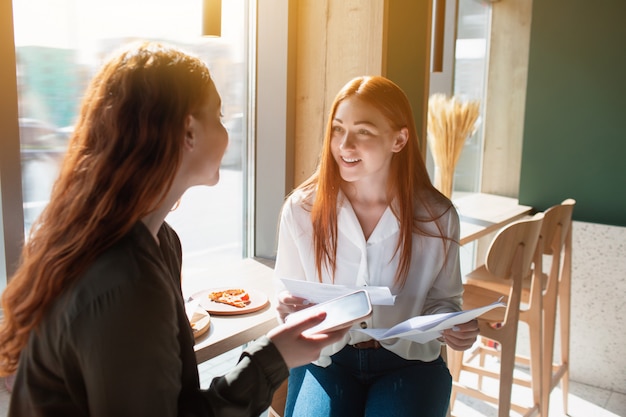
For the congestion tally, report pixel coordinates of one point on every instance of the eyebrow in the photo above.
(359, 122)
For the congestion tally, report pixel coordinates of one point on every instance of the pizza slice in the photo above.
(234, 297)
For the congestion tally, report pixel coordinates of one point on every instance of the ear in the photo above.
(401, 138)
(190, 138)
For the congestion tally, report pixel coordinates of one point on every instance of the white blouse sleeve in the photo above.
(446, 292)
(288, 257)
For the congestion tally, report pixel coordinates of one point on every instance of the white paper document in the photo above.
(317, 292)
(423, 329)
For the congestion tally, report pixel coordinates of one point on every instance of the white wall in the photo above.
(598, 316)
(598, 325)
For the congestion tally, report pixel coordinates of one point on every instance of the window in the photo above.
(59, 46)
(463, 50)
(470, 74)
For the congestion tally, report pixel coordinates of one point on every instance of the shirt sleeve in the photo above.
(445, 295)
(248, 388)
(288, 263)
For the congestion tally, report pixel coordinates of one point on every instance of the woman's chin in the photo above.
(213, 179)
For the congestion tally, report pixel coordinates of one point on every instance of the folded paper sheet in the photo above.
(423, 329)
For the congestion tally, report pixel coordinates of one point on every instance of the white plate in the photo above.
(258, 300)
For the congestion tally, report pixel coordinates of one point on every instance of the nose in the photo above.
(347, 141)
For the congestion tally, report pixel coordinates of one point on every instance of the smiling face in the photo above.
(363, 142)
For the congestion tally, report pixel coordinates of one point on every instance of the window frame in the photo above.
(275, 121)
(11, 212)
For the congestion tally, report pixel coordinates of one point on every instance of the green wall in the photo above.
(575, 119)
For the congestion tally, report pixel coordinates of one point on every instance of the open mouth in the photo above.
(350, 160)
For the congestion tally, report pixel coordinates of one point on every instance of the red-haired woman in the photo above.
(94, 318)
(369, 216)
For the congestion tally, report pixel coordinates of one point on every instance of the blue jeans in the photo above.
(370, 383)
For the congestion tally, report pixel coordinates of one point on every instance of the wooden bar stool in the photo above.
(539, 300)
(559, 371)
(509, 260)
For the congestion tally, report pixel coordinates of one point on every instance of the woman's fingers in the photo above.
(298, 349)
(461, 336)
(288, 304)
(285, 297)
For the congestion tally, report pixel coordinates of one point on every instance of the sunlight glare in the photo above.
(48, 23)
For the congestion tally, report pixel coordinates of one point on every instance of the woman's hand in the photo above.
(288, 304)
(298, 349)
(461, 336)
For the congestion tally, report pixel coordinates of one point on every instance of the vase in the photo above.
(444, 180)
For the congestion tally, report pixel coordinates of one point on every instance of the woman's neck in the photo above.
(366, 194)
(368, 204)
(154, 220)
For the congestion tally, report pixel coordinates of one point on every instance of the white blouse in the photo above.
(433, 283)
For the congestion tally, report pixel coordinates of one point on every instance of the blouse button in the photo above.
(363, 325)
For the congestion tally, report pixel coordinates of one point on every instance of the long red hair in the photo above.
(120, 163)
(408, 186)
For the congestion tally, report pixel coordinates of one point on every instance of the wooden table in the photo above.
(482, 214)
(229, 332)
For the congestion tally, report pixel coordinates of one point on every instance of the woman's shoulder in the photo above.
(130, 266)
(434, 206)
(435, 214)
(300, 199)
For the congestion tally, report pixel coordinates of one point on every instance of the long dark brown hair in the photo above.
(408, 186)
(120, 164)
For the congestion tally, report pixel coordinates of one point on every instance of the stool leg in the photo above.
(536, 362)
(455, 361)
(507, 363)
(565, 292)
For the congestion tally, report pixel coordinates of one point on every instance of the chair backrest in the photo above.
(512, 250)
(556, 223)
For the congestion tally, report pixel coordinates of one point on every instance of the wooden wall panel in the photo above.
(336, 41)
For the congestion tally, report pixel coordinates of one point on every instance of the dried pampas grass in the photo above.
(450, 122)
